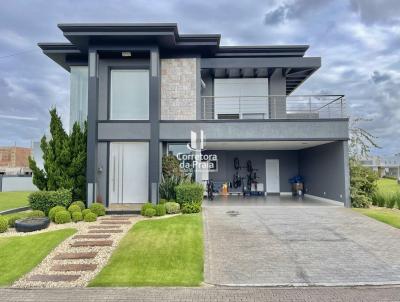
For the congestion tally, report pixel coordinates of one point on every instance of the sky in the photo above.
(358, 40)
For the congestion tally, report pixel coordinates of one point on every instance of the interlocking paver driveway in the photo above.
(290, 245)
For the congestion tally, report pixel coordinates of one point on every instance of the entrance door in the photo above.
(128, 174)
(272, 176)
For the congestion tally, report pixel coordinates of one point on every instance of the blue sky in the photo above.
(358, 41)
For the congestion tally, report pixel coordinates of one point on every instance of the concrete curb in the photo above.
(16, 210)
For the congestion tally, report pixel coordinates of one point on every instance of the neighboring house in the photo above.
(148, 90)
(14, 160)
(385, 166)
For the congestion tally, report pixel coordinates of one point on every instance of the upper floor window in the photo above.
(129, 96)
(78, 95)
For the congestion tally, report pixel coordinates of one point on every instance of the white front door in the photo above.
(128, 172)
(272, 176)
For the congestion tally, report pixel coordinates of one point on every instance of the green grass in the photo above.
(388, 216)
(386, 185)
(20, 254)
(164, 252)
(11, 200)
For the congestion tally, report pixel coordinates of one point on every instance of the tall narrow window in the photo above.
(78, 95)
(129, 97)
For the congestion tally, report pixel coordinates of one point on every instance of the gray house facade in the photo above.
(146, 90)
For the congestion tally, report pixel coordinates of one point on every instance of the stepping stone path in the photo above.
(81, 257)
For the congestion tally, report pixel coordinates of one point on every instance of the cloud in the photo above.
(378, 77)
(15, 117)
(377, 11)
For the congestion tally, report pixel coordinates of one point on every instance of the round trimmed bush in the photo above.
(146, 206)
(163, 201)
(149, 212)
(98, 209)
(36, 214)
(90, 217)
(160, 210)
(80, 204)
(85, 211)
(74, 208)
(12, 219)
(172, 207)
(62, 217)
(77, 216)
(3, 224)
(191, 207)
(54, 210)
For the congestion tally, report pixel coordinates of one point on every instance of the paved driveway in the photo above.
(298, 245)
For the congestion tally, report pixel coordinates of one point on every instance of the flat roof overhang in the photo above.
(263, 145)
(258, 130)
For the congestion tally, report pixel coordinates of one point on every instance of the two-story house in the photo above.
(145, 89)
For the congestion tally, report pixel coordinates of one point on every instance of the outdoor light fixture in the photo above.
(126, 54)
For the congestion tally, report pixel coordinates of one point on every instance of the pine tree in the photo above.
(64, 159)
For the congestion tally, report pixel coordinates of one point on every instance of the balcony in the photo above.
(273, 107)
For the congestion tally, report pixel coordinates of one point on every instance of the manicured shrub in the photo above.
(172, 207)
(77, 216)
(163, 201)
(54, 210)
(362, 185)
(3, 224)
(190, 197)
(36, 214)
(74, 208)
(149, 212)
(80, 204)
(160, 210)
(146, 206)
(189, 193)
(62, 217)
(12, 219)
(85, 211)
(90, 217)
(45, 200)
(98, 209)
(192, 207)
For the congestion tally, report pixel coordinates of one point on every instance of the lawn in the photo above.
(163, 252)
(389, 216)
(387, 185)
(20, 254)
(11, 200)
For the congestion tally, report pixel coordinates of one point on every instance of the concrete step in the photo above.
(115, 222)
(73, 256)
(100, 236)
(105, 231)
(92, 243)
(80, 267)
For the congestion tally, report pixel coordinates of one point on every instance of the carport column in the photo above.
(92, 127)
(347, 201)
(154, 116)
(277, 91)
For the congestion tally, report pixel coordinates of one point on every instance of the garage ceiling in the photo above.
(263, 145)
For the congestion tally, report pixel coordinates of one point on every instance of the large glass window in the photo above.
(129, 94)
(78, 95)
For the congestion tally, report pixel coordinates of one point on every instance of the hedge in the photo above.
(45, 200)
(189, 193)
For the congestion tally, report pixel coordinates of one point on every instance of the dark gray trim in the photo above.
(91, 165)
(258, 140)
(108, 175)
(304, 62)
(124, 140)
(255, 120)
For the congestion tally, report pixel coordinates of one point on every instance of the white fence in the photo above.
(16, 183)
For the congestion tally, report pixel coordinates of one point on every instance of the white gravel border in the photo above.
(101, 259)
